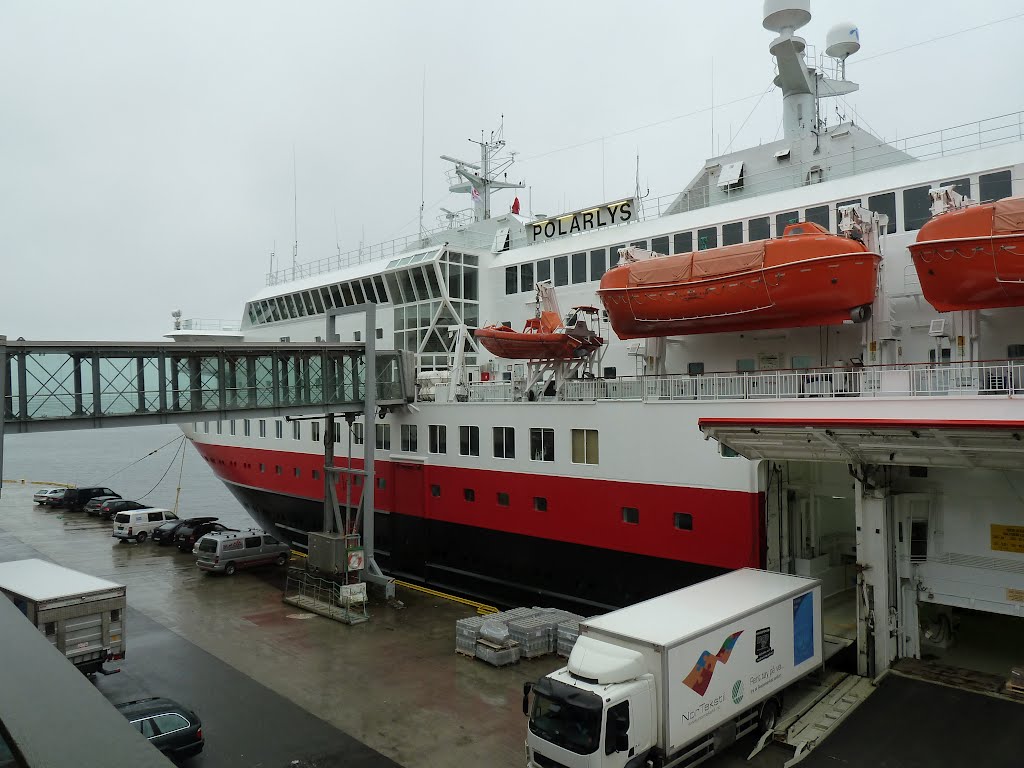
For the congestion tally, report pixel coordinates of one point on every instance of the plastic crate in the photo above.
(497, 657)
(535, 634)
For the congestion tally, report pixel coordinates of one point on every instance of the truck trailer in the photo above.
(82, 616)
(674, 680)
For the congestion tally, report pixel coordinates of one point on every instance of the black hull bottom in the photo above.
(493, 566)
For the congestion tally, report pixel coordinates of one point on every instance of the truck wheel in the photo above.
(282, 559)
(229, 569)
(769, 715)
(141, 537)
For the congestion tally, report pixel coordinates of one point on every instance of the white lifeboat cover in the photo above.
(598, 660)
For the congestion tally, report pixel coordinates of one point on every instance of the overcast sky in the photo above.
(146, 152)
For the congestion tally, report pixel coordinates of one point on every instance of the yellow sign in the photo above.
(1008, 538)
(1015, 595)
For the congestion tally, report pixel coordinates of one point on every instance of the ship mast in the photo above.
(481, 179)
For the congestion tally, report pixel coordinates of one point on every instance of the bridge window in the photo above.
(469, 441)
(682, 242)
(542, 444)
(782, 220)
(759, 229)
(314, 431)
(540, 504)
(503, 499)
(598, 264)
(885, 203)
(318, 303)
(707, 238)
(631, 515)
(916, 208)
(278, 430)
(511, 280)
(683, 521)
(561, 270)
(579, 268)
(469, 494)
(526, 277)
(438, 438)
(357, 291)
(584, 446)
(246, 427)
(660, 245)
(543, 270)
(263, 427)
(383, 435)
(409, 440)
(504, 442)
(994, 186)
(357, 433)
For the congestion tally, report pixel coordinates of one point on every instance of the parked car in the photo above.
(76, 498)
(111, 507)
(188, 535)
(226, 551)
(47, 496)
(167, 533)
(173, 729)
(92, 506)
(140, 523)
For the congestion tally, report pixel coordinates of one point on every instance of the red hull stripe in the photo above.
(727, 529)
(903, 424)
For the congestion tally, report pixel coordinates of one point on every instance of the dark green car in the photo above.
(173, 729)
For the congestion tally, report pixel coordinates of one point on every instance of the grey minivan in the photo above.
(227, 551)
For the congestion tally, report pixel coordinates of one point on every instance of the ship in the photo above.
(528, 478)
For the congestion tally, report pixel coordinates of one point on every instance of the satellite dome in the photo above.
(842, 40)
(786, 14)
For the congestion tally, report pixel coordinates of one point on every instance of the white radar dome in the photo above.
(786, 14)
(842, 40)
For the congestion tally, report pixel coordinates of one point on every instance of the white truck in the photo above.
(82, 616)
(676, 679)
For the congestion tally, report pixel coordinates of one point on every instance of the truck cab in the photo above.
(599, 711)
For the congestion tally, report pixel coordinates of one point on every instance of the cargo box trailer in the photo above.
(82, 616)
(676, 679)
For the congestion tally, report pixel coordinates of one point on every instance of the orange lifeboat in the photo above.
(973, 257)
(806, 277)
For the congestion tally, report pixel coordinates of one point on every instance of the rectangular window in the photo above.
(279, 430)
(683, 521)
(511, 280)
(263, 467)
(337, 432)
(885, 203)
(561, 270)
(263, 427)
(357, 336)
(543, 270)
(818, 214)
(782, 220)
(504, 443)
(682, 242)
(843, 204)
(631, 515)
(438, 434)
(357, 433)
(503, 499)
(435, 491)
(526, 278)
(660, 245)
(316, 474)
(314, 431)
(639, 244)
(579, 268)
(584, 446)
(994, 186)
(297, 471)
(540, 504)
(277, 469)
(759, 229)
(542, 444)
(232, 427)
(598, 264)
(296, 430)
(409, 440)
(917, 205)
(613, 255)
(732, 233)
(383, 433)
(381, 484)
(469, 441)
(918, 541)
(707, 238)
(469, 494)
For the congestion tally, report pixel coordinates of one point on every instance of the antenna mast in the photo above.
(423, 145)
(295, 211)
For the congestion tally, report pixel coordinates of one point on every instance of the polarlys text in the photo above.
(582, 221)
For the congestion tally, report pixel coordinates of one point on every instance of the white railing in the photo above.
(914, 380)
(206, 324)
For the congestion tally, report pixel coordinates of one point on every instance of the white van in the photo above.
(140, 523)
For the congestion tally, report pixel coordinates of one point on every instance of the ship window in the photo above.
(631, 515)
(584, 446)
(357, 335)
(540, 504)
(231, 427)
(325, 293)
(683, 521)
(598, 264)
(396, 292)
(246, 427)
(421, 283)
(317, 301)
(732, 233)
(526, 277)
(263, 427)
(695, 369)
(346, 292)
(561, 270)
(511, 280)
(945, 356)
(579, 268)
(218, 427)
(380, 333)
(469, 441)
(782, 219)
(316, 474)
(435, 491)
(844, 204)
(314, 431)
(818, 215)
(278, 430)
(409, 440)
(682, 242)
(746, 365)
(296, 471)
(759, 229)
(640, 244)
(504, 442)
(337, 432)
(918, 541)
(263, 467)
(405, 280)
(609, 371)
(382, 295)
(726, 452)
(383, 436)
(994, 186)
(336, 296)
(357, 291)
(660, 245)
(381, 484)
(963, 186)
(543, 270)
(885, 203)
(469, 494)
(277, 469)
(707, 238)
(307, 297)
(503, 499)
(357, 433)
(438, 434)
(916, 208)
(542, 444)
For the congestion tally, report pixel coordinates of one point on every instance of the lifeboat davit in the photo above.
(973, 257)
(806, 277)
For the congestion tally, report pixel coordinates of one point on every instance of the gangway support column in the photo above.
(877, 592)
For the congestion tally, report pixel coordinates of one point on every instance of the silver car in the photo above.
(227, 551)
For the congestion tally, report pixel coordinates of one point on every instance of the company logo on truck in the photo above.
(700, 676)
(763, 645)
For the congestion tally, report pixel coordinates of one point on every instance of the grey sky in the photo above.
(146, 148)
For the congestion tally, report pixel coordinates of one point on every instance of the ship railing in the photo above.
(207, 324)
